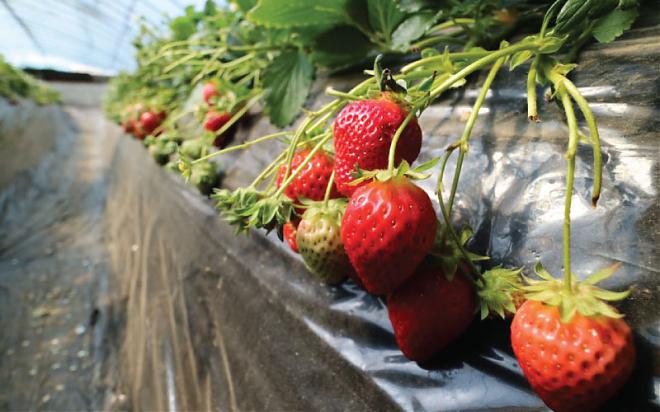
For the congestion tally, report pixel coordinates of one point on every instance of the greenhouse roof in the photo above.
(89, 36)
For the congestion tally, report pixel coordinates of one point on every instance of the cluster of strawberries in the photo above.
(379, 232)
(141, 121)
(215, 119)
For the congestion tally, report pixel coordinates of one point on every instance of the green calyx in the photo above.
(192, 148)
(333, 210)
(204, 176)
(420, 172)
(582, 297)
(248, 208)
(496, 289)
(447, 255)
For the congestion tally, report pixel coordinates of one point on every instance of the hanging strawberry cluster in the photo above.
(342, 193)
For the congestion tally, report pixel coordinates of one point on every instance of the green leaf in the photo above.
(412, 29)
(602, 274)
(609, 295)
(294, 13)
(384, 16)
(182, 27)
(287, 81)
(519, 58)
(614, 24)
(429, 164)
(541, 272)
(551, 44)
(340, 46)
(244, 5)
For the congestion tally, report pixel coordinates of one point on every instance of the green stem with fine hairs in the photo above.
(491, 57)
(307, 159)
(595, 138)
(395, 140)
(328, 190)
(570, 172)
(445, 213)
(467, 132)
(242, 146)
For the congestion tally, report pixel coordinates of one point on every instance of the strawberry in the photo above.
(574, 366)
(149, 121)
(129, 126)
(320, 244)
(387, 230)
(209, 91)
(204, 176)
(574, 349)
(215, 120)
(289, 231)
(429, 311)
(312, 181)
(138, 132)
(363, 131)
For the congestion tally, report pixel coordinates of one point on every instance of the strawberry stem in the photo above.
(447, 219)
(467, 132)
(570, 157)
(294, 144)
(451, 23)
(241, 146)
(336, 93)
(238, 114)
(532, 111)
(328, 190)
(395, 139)
(595, 138)
(307, 159)
(491, 57)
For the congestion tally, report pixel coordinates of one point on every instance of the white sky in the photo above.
(92, 36)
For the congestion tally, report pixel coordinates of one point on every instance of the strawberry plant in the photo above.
(341, 191)
(15, 84)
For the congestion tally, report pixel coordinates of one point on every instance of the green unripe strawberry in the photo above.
(204, 176)
(319, 242)
(192, 148)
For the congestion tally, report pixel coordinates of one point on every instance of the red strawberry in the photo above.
(138, 132)
(312, 181)
(289, 230)
(149, 121)
(573, 366)
(209, 91)
(129, 126)
(429, 311)
(363, 131)
(215, 120)
(387, 230)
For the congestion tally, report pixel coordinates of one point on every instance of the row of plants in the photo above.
(342, 191)
(15, 84)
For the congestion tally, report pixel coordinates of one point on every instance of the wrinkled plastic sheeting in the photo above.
(53, 264)
(215, 320)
